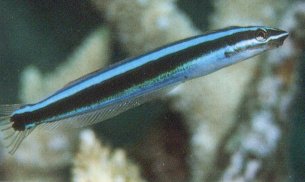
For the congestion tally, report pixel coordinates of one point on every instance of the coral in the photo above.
(95, 162)
(146, 24)
(258, 147)
(243, 13)
(237, 118)
(209, 105)
(142, 25)
(51, 151)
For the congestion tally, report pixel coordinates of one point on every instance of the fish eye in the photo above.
(261, 35)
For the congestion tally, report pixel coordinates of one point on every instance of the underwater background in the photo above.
(243, 123)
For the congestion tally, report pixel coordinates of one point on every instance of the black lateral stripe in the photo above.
(130, 78)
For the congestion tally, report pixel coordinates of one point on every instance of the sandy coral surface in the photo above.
(96, 162)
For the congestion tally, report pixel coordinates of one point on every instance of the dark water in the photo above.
(297, 139)
(40, 33)
(44, 33)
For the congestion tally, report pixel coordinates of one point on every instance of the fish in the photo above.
(105, 93)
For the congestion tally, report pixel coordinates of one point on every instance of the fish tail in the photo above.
(11, 137)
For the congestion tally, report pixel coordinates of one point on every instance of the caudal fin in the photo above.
(12, 138)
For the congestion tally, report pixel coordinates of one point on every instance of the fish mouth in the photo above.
(282, 35)
(278, 37)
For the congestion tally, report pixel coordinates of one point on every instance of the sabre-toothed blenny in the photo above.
(107, 92)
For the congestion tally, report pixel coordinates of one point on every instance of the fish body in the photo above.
(126, 84)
